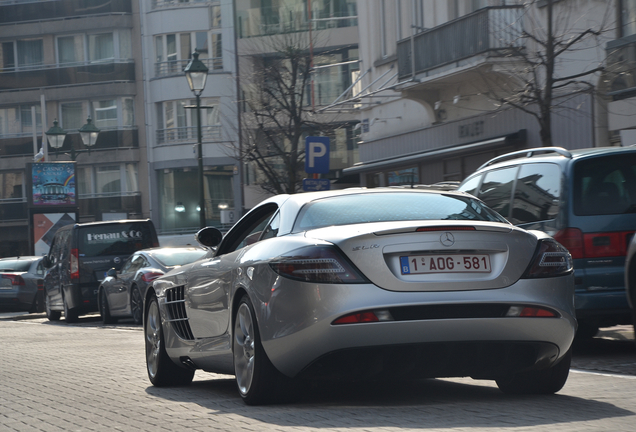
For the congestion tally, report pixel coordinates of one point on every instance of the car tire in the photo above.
(546, 381)
(104, 310)
(51, 314)
(258, 381)
(136, 305)
(162, 371)
(70, 315)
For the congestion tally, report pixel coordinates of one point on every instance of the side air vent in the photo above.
(175, 304)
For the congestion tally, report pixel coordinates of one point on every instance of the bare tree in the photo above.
(276, 99)
(542, 81)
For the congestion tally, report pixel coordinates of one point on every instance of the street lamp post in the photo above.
(197, 73)
(88, 132)
(56, 136)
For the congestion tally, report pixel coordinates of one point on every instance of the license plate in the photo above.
(418, 264)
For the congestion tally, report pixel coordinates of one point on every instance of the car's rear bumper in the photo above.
(296, 336)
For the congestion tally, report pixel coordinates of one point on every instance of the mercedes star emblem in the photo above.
(447, 239)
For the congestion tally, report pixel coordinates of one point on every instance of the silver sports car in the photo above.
(366, 284)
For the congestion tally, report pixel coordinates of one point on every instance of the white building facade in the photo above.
(171, 32)
(435, 74)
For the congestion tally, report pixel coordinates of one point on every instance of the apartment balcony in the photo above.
(176, 67)
(181, 134)
(477, 37)
(14, 11)
(54, 76)
(22, 144)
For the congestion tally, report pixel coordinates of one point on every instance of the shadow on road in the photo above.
(420, 404)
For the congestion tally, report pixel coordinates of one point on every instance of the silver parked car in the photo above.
(119, 294)
(366, 283)
(21, 284)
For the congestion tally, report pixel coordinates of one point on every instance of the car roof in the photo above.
(550, 154)
(294, 202)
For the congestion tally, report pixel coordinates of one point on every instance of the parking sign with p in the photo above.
(317, 155)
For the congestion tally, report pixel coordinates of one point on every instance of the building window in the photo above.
(73, 116)
(25, 53)
(177, 123)
(18, 121)
(97, 48)
(178, 187)
(106, 114)
(628, 17)
(174, 51)
(12, 185)
(70, 49)
(107, 180)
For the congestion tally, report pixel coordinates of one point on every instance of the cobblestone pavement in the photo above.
(85, 377)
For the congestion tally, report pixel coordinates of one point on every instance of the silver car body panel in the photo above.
(295, 318)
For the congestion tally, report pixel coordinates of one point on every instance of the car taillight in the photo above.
(150, 276)
(321, 264)
(74, 264)
(551, 259)
(531, 312)
(364, 317)
(594, 245)
(572, 240)
(15, 279)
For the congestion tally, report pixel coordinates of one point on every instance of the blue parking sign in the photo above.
(316, 155)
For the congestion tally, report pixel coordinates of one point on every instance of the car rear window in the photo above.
(605, 185)
(14, 265)
(383, 207)
(178, 257)
(115, 239)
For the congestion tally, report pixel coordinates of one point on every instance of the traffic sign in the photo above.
(316, 155)
(310, 185)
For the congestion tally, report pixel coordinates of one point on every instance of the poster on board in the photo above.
(45, 225)
(53, 184)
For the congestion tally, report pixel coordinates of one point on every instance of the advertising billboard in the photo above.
(53, 184)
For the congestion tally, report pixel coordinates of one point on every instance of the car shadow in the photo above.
(419, 404)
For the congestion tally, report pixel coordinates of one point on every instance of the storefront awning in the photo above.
(412, 158)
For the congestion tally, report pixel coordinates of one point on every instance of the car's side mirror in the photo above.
(209, 236)
(112, 273)
(46, 262)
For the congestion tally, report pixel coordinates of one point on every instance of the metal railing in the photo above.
(493, 29)
(175, 67)
(162, 4)
(189, 133)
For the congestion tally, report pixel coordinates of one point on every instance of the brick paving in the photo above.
(55, 377)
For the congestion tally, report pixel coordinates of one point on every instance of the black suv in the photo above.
(585, 199)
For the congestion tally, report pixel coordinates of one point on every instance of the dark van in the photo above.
(585, 199)
(79, 257)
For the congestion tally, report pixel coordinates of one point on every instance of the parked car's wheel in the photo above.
(70, 315)
(161, 370)
(51, 314)
(258, 381)
(546, 381)
(104, 310)
(136, 305)
(37, 305)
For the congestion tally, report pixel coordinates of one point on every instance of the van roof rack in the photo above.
(528, 153)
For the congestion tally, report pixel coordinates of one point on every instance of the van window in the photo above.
(537, 193)
(496, 189)
(115, 239)
(605, 185)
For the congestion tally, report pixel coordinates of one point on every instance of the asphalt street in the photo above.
(87, 377)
